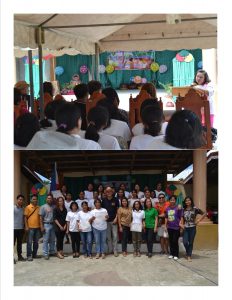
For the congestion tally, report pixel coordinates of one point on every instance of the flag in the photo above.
(54, 180)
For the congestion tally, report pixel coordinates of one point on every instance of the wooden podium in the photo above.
(180, 91)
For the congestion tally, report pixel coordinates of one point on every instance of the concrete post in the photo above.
(199, 178)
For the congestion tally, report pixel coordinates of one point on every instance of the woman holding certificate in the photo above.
(99, 224)
(84, 226)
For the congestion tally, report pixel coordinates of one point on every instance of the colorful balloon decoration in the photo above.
(59, 70)
(154, 67)
(109, 69)
(184, 56)
(144, 80)
(101, 69)
(200, 65)
(83, 69)
(132, 79)
(163, 69)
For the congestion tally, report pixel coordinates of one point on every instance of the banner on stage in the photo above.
(125, 60)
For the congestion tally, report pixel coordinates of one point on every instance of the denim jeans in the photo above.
(86, 238)
(100, 240)
(174, 241)
(33, 239)
(112, 237)
(18, 236)
(49, 240)
(125, 235)
(188, 239)
(150, 239)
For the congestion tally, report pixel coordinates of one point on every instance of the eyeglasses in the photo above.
(161, 197)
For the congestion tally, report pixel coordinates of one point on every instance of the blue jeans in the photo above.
(86, 238)
(100, 240)
(188, 239)
(33, 239)
(49, 239)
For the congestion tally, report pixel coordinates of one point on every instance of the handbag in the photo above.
(136, 227)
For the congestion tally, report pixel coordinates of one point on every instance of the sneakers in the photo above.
(21, 258)
(170, 257)
(29, 258)
(116, 254)
(97, 256)
(90, 256)
(103, 256)
(175, 258)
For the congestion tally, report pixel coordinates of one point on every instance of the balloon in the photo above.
(200, 65)
(83, 69)
(144, 80)
(188, 58)
(154, 67)
(183, 53)
(109, 69)
(59, 70)
(132, 79)
(137, 79)
(163, 69)
(179, 58)
(101, 69)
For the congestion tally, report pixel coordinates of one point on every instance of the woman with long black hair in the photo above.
(189, 222)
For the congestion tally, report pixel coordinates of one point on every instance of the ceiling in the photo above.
(93, 163)
(78, 33)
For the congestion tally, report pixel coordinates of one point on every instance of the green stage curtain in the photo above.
(75, 185)
(71, 65)
(165, 57)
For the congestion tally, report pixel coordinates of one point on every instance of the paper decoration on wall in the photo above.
(132, 79)
(83, 69)
(137, 79)
(154, 67)
(101, 69)
(109, 69)
(49, 56)
(163, 69)
(184, 56)
(188, 58)
(59, 70)
(200, 65)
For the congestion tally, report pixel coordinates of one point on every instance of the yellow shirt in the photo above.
(125, 215)
(34, 220)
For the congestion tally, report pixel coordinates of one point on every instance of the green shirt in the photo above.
(150, 217)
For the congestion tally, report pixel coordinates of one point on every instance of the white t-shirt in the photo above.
(118, 128)
(138, 216)
(141, 142)
(84, 224)
(159, 192)
(88, 195)
(138, 129)
(72, 218)
(158, 143)
(53, 140)
(100, 222)
(106, 142)
(91, 203)
(140, 194)
(86, 144)
(67, 205)
(132, 201)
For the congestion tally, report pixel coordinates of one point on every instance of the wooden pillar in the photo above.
(200, 178)
(52, 69)
(97, 51)
(17, 174)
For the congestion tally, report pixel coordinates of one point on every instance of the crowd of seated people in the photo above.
(69, 125)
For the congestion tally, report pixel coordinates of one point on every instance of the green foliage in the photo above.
(167, 87)
(68, 86)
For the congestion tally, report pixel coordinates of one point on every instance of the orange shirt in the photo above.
(34, 220)
(161, 210)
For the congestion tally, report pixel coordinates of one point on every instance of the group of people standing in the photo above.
(102, 216)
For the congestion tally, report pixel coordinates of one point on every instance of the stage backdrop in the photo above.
(75, 185)
(123, 76)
